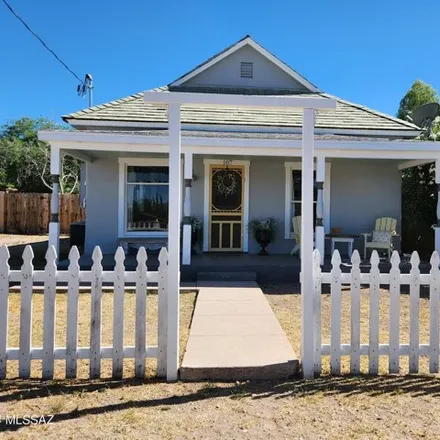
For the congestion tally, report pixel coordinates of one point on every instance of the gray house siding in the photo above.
(361, 191)
(267, 199)
(102, 205)
(227, 73)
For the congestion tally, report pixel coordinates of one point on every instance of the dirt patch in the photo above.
(16, 244)
(329, 408)
(15, 239)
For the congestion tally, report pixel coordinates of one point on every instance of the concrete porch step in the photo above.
(227, 276)
(235, 335)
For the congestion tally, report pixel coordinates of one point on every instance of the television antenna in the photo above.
(86, 86)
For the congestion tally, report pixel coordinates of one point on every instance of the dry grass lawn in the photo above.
(383, 407)
(287, 308)
(187, 307)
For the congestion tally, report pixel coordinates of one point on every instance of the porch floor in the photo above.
(268, 269)
(272, 268)
(235, 335)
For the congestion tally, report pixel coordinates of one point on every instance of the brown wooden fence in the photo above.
(29, 213)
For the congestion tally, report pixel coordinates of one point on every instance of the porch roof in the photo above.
(133, 111)
(230, 135)
(83, 144)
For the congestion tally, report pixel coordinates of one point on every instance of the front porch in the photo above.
(356, 182)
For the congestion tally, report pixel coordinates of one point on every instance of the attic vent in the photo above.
(246, 70)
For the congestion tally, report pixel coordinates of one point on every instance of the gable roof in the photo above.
(245, 41)
(134, 111)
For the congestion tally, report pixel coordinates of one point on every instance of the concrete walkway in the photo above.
(234, 335)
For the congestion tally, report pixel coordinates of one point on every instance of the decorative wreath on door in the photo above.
(225, 181)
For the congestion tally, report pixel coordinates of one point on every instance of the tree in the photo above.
(25, 161)
(419, 93)
(419, 191)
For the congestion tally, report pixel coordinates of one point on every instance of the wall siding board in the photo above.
(227, 73)
(355, 203)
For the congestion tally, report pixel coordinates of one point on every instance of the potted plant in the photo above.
(264, 232)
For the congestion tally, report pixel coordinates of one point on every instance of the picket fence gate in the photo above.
(50, 276)
(374, 279)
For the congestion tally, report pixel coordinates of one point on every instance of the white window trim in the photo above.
(289, 167)
(124, 162)
(207, 163)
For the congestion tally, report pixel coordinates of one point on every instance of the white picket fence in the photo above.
(95, 277)
(394, 279)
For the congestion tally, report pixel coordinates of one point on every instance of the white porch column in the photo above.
(437, 225)
(174, 201)
(307, 321)
(319, 226)
(54, 224)
(186, 242)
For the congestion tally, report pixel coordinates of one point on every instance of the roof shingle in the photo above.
(346, 115)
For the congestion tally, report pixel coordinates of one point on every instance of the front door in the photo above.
(226, 208)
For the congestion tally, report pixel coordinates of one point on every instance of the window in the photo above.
(146, 198)
(246, 69)
(293, 202)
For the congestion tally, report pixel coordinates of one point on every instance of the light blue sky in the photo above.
(368, 52)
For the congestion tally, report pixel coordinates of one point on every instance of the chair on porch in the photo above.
(296, 223)
(382, 236)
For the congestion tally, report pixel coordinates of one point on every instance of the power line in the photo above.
(42, 42)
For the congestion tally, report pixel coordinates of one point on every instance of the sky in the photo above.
(365, 51)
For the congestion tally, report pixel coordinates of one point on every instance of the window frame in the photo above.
(292, 198)
(289, 167)
(124, 163)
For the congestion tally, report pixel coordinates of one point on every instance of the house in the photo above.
(238, 163)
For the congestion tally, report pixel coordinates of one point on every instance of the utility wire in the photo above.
(42, 42)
